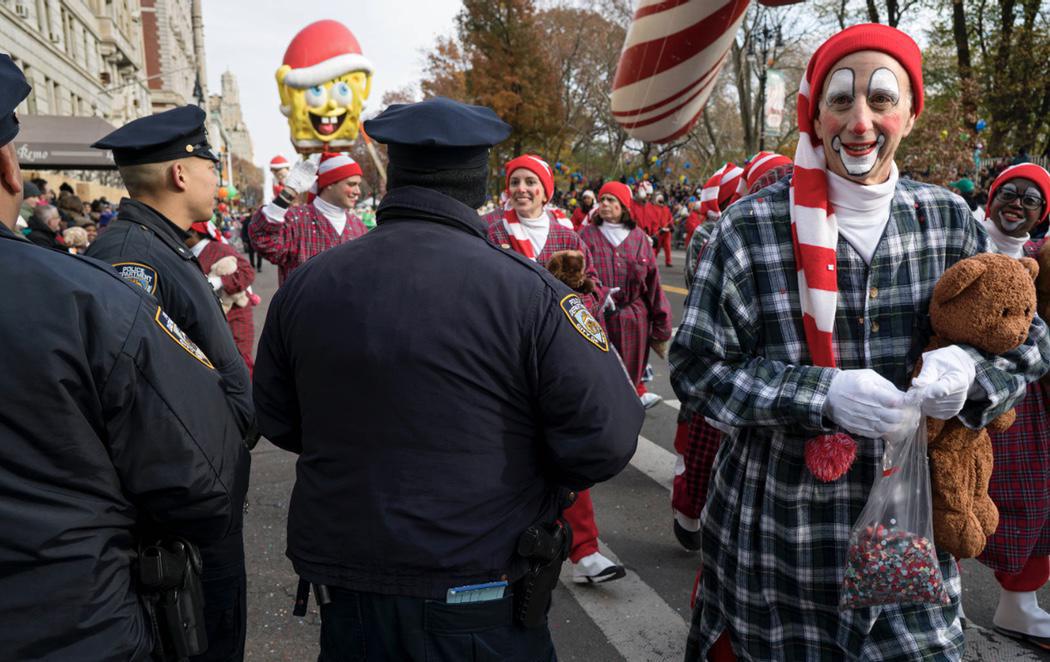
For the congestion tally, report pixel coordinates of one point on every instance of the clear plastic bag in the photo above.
(891, 557)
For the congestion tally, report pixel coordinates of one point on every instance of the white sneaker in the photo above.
(595, 569)
(650, 400)
(1019, 616)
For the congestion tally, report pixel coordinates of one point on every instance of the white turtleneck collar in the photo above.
(335, 215)
(1003, 243)
(862, 211)
(537, 229)
(615, 233)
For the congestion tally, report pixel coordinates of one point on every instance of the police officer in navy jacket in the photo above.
(113, 423)
(169, 170)
(439, 391)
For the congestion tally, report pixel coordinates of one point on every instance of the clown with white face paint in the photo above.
(817, 351)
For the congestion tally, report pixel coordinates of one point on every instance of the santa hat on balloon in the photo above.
(320, 52)
(279, 163)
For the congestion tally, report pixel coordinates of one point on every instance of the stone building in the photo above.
(82, 57)
(227, 106)
(173, 37)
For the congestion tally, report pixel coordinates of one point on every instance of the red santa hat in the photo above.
(536, 166)
(1029, 171)
(207, 229)
(335, 167)
(322, 51)
(279, 163)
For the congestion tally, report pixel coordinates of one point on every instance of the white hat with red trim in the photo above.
(322, 51)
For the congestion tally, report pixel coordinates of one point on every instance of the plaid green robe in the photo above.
(775, 538)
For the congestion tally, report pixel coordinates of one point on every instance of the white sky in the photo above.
(249, 38)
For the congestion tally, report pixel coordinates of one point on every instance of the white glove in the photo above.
(303, 174)
(865, 403)
(609, 305)
(945, 380)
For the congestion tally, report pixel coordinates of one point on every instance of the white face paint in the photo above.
(840, 87)
(883, 87)
(862, 164)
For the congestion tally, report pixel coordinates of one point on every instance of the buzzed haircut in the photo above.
(145, 178)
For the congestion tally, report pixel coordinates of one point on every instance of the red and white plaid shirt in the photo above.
(304, 233)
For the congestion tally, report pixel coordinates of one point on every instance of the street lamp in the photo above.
(762, 43)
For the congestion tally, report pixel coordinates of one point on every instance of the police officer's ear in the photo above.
(10, 173)
(178, 175)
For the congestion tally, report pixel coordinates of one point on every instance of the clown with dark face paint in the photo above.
(1019, 550)
(793, 353)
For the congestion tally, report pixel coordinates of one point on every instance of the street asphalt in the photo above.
(640, 618)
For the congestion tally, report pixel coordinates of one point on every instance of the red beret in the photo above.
(536, 166)
(618, 190)
(1029, 171)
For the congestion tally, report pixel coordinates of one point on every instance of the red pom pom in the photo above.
(830, 455)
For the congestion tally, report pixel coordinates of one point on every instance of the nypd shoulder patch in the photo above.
(582, 320)
(179, 336)
(139, 274)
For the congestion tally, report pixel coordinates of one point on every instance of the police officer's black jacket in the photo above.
(149, 250)
(438, 391)
(111, 422)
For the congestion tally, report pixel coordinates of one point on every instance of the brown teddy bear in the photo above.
(570, 268)
(986, 301)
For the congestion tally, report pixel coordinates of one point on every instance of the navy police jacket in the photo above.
(149, 250)
(113, 421)
(438, 391)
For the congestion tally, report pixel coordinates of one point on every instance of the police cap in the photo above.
(173, 134)
(437, 134)
(13, 88)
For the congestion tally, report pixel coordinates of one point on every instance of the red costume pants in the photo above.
(665, 243)
(1032, 577)
(580, 516)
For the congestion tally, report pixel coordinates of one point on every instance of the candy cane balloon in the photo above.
(670, 62)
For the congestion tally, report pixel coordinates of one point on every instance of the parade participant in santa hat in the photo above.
(824, 343)
(639, 318)
(584, 209)
(529, 230)
(205, 243)
(1019, 550)
(663, 226)
(643, 212)
(279, 167)
(289, 235)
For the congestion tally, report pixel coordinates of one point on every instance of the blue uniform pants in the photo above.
(371, 627)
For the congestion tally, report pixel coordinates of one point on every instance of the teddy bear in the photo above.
(570, 268)
(986, 301)
(224, 267)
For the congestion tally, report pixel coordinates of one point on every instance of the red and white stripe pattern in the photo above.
(720, 190)
(815, 233)
(759, 165)
(335, 167)
(669, 63)
(518, 238)
(559, 217)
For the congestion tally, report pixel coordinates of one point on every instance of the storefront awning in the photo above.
(52, 142)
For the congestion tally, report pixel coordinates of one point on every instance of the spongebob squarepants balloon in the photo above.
(323, 83)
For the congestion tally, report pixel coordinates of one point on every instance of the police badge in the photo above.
(584, 322)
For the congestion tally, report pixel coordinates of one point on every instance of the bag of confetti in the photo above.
(891, 557)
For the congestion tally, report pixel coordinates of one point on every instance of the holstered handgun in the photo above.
(545, 546)
(170, 584)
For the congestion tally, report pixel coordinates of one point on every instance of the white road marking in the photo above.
(673, 404)
(654, 461)
(631, 615)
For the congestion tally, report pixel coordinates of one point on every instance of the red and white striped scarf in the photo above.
(815, 234)
(516, 235)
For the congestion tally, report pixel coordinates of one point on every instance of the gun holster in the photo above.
(170, 585)
(545, 546)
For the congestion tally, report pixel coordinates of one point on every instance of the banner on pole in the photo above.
(776, 93)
